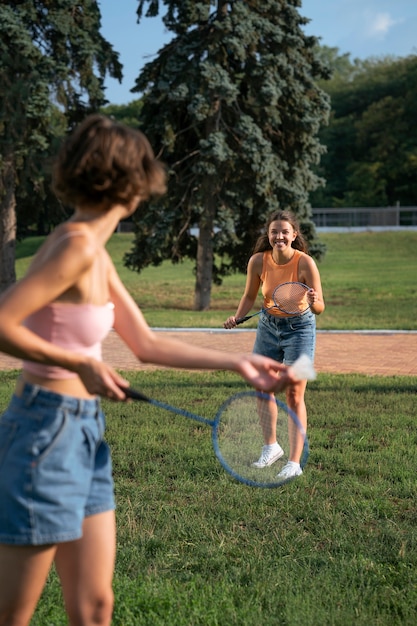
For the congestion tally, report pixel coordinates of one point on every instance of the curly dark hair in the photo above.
(262, 243)
(104, 162)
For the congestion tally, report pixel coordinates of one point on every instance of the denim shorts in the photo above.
(55, 467)
(286, 338)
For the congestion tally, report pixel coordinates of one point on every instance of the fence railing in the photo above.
(365, 217)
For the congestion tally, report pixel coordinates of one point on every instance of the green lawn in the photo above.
(369, 282)
(336, 547)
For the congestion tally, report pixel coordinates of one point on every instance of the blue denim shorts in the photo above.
(55, 467)
(286, 338)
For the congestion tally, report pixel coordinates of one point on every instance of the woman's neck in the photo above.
(102, 223)
(282, 257)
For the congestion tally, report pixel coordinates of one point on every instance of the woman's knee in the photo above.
(295, 395)
(94, 609)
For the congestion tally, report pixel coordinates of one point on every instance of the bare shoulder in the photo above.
(68, 241)
(307, 269)
(256, 262)
(71, 233)
(307, 261)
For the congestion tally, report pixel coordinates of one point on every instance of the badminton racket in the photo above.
(240, 425)
(290, 298)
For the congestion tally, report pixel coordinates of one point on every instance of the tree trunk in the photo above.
(204, 272)
(7, 224)
(205, 254)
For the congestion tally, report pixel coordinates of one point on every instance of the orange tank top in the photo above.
(274, 275)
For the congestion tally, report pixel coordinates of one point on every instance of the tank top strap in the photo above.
(67, 235)
(71, 233)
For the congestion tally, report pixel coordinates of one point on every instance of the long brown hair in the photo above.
(262, 244)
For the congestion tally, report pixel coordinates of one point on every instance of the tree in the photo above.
(232, 107)
(38, 210)
(342, 68)
(53, 59)
(371, 138)
(128, 114)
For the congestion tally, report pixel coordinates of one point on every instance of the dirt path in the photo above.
(374, 353)
(383, 354)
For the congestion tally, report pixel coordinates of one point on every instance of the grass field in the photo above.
(336, 547)
(369, 282)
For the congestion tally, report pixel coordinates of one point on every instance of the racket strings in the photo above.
(245, 426)
(291, 297)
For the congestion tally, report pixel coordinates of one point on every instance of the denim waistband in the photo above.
(287, 318)
(29, 394)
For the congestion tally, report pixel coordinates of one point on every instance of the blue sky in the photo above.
(364, 28)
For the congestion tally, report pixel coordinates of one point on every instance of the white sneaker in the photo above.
(290, 470)
(269, 455)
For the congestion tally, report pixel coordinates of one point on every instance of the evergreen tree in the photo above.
(52, 58)
(232, 106)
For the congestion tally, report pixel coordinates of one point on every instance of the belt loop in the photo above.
(33, 392)
(79, 407)
(99, 420)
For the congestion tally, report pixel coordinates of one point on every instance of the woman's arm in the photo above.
(47, 279)
(151, 347)
(55, 272)
(310, 276)
(253, 282)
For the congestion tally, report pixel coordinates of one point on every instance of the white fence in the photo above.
(378, 218)
(366, 217)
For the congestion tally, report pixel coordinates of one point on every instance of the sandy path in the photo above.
(375, 353)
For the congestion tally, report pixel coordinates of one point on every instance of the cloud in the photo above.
(380, 24)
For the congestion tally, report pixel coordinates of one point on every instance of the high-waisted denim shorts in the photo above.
(286, 338)
(55, 467)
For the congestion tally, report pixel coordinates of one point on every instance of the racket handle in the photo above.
(134, 394)
(240, 320)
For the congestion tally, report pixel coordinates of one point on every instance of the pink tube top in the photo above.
(77, 327)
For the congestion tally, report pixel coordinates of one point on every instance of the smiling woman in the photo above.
(286, 329)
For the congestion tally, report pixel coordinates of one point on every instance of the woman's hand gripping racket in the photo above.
(290, 298)
(237, 430)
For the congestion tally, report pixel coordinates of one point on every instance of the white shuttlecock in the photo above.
(303, 368)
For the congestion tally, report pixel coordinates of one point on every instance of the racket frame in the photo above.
(240, 320)
(134, 394)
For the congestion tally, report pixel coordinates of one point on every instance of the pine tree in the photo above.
(52, 57)
(232, 107)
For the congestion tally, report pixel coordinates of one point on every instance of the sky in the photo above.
(362, 28)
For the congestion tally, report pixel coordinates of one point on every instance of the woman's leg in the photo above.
(23, 573)
(268, 414)
(295, 400)
(266, 343)
(86, 568)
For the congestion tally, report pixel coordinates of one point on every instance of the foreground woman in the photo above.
(56, 489)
